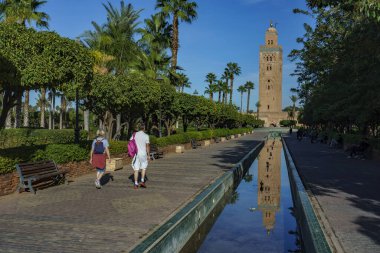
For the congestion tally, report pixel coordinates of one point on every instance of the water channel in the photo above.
(256, 217)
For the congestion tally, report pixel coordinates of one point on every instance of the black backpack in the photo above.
(99, 146)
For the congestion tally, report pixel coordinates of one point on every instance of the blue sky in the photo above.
(225, 31)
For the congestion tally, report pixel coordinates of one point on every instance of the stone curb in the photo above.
(175, 232)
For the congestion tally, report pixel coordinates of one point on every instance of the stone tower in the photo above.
(270, 80)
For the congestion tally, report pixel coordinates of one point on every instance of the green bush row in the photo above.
(197, 135)
(10, 138)
(63, 153)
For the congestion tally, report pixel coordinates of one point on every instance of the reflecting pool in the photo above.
(258, 215)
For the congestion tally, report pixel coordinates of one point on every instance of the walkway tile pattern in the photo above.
(79, 218)
(347, 191)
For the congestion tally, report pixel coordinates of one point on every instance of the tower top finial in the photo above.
(271, 23)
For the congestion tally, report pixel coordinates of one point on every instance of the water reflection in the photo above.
(269, 182)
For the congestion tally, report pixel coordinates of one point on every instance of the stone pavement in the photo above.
(347, 190)
(79, 218)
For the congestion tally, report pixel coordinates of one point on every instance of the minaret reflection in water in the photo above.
(269, 182)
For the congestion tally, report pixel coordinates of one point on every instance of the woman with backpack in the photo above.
(98, 154)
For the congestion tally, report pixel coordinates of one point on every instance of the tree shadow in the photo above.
(329, 173)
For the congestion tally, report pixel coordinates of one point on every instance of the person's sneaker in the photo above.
(142, 184)
(97, 184)
(135, 186)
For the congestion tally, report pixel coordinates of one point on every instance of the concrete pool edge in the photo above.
(173, 234)
(313, 237)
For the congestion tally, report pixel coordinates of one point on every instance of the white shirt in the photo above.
(141, 139)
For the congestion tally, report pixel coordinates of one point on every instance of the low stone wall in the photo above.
(8, 183)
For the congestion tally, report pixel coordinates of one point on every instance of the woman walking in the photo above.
(98, 154)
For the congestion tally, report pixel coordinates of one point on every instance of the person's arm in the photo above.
(92, 151)
(147, 149)
(108, 153)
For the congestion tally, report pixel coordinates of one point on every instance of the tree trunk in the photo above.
(86, 119)
(53, 111)
(26, 108)
(62, 115)
(17, 122)
(175, 42)
(248, 98)
(220, 93)
(8, 120)
(232, 88)
(241, 102)
(43, 103)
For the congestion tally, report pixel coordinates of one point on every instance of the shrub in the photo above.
(62, 153)
(26, 137)
(118, 147)
(288, 123)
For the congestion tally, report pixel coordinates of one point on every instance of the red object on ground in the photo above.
(99, 161)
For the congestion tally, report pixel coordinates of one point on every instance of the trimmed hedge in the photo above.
(10, 138)
(63, 153)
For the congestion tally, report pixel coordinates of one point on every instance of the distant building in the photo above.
(270, 80)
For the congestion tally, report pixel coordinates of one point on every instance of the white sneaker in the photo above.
(97, 184)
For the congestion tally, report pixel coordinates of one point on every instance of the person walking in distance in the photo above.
(98, 154)
(140, 160)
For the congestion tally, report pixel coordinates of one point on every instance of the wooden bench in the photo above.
(155, 153)
(38, 171)
(195, 144)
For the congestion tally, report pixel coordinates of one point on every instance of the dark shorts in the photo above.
(100, 170)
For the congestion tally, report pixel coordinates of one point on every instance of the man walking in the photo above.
(140, 160)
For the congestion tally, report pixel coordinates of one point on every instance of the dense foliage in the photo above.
(26, 136)
(339, 66)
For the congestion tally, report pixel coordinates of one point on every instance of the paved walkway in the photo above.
(347, 190)
(79, 218)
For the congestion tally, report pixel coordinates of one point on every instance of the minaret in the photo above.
(270, 82)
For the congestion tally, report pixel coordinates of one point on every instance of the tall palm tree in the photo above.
(219, 86)
(241, 89)
(24, 12)
(249, 86)
(179, 10)
(233, 70)
(42, 104)
(294, 99)
(211, 89)
(258, 105)
(226, 90)
(211, 79)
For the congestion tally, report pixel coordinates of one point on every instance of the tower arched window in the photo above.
(268, 42)
(270, 58)
(271, 42)
(270, 67)
(268, 87)
(268, 107)
(267, 58)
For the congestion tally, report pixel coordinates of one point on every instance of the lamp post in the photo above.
(76, 130)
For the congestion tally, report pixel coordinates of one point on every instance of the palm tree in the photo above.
(183, 82)
(241, 89)
(226, 90)
(249, 86)
(258, 105)
(211, 89)
(116, 37)
(23, 12)
(42, 104)
(219, 86)
(62, 111)
(211, 79)
(233, 70)
(294, 99)
(226, 77)
(180, 10)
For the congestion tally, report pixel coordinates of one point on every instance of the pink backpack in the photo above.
(132, 147)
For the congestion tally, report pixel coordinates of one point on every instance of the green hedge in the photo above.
(10, 138)
(200, 135)
(63, 153)
(288, 123)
